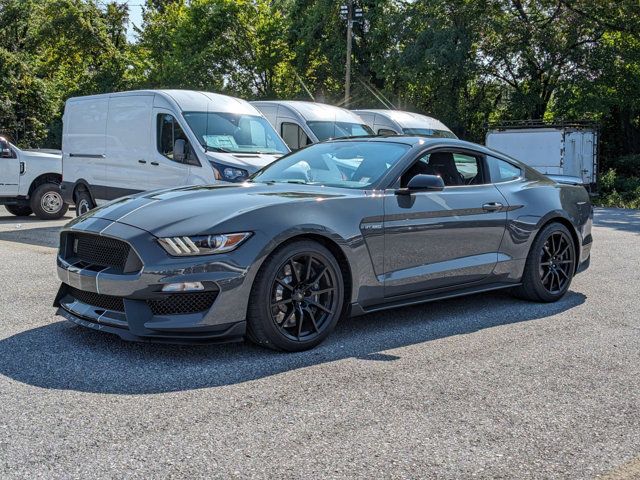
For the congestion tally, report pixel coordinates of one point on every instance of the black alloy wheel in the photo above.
(556, 262)
(297, 298)
(550, 265)
(303, 296)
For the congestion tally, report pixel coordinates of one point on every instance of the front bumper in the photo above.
(132, 304)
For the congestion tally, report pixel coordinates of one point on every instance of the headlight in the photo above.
(203, 244)
(229, 173)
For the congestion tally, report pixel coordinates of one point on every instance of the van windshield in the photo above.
(327, 130)
(235, 132)
(429, 132)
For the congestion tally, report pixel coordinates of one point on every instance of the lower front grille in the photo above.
(183, 303)
(98, 300)
(173, 304)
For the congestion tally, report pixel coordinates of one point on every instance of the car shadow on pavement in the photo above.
(618, 219)
(40, 236)
(64, 356)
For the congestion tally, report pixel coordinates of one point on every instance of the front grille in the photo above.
(106, 302)
(183, 303)
(101, 251)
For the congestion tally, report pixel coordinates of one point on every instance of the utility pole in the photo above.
(351, 14)
(347, 80)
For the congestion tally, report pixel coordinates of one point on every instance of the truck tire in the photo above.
(84, 203)
(47, 202)
(19, 210)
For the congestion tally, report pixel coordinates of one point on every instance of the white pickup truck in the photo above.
(30, 181)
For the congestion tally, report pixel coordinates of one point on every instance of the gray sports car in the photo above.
(340, 228)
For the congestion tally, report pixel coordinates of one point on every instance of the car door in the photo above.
(164, 171)
(9, 170)
(442, 238)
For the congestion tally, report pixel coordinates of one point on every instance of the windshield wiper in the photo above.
(207, 148)
(297, 182)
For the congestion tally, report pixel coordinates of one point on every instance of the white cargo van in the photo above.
(30, 181)
(303, 123)
(397, 122)
(566, 149)
(121, 143)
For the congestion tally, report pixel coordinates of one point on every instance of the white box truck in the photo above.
(122, 143)
(30, 181)
(569, 150)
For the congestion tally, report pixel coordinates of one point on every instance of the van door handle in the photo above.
(492, 207)
(155, 163)
(142, 161)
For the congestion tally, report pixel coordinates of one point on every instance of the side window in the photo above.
(455, 169)
(294, 136)
(386, 131)
(169, 131)
(502, 171)
(469, 167)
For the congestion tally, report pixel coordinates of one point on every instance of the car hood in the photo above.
(198, 209)
(251, 162)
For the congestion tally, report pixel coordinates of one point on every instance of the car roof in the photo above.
(427, 142)
(314, 111)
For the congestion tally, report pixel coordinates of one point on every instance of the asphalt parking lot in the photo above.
(485, 386)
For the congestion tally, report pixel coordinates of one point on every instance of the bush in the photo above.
(619, 191)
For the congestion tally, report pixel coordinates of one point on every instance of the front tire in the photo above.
(296, 299)
(550, 265)
(84, 203)
(47, 202)
(19, 210)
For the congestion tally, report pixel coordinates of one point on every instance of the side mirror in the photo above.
(179, 150)
(422, 183)
(5, 151)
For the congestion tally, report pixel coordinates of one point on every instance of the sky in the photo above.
(135, 15)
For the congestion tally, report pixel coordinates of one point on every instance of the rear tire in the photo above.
(19, 210)
(84, 203)
(47, 202)
(550, 265)
(296, 299)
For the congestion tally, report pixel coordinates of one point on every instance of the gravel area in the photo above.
(485, 386)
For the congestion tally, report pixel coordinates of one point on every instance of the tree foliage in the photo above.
(467, 62)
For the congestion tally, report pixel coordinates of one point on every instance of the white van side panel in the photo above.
(129, 134)
(83, 140)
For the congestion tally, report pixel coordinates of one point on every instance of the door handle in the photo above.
(142, 161)
(492, 207)
(155, 163)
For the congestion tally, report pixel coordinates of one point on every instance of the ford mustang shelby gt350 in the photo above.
(339, 228)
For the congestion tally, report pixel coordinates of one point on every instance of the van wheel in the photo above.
(83, 202)
(47, 203)
(19, 210)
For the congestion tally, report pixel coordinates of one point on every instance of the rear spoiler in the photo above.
(566, 179)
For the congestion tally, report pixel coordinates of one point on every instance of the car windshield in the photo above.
(429, 132)
(327, 130)
(337, 164)
(235, 132)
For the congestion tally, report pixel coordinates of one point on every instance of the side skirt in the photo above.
(357, 309)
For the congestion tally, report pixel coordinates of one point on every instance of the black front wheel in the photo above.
(297, 298)
(550, 265)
